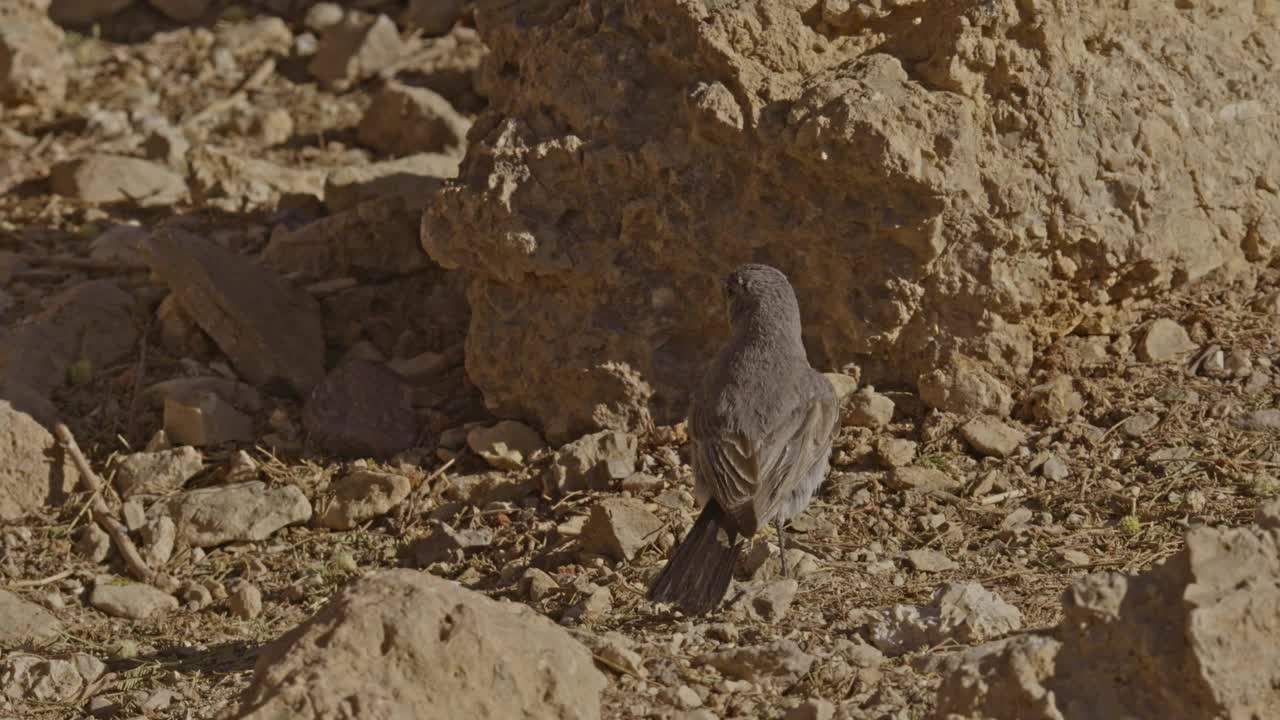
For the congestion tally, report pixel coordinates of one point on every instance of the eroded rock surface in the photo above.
(1192, 637)
(414, 645)
(972, 184)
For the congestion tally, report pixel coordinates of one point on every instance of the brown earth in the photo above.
(1045, 232)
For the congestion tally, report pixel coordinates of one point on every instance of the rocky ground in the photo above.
(240, 455)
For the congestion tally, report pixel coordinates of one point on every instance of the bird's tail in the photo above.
(697, 575)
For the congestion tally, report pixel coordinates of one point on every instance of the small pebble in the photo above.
(246, 601)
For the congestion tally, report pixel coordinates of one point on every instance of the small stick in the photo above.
(410, 508)
(101, 513)
(43, 581)
(1002, 496)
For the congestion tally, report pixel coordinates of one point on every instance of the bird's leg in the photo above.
(782, 546)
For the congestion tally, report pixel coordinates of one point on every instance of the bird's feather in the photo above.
(752, 473)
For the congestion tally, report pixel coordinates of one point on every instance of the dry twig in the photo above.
(101, 513)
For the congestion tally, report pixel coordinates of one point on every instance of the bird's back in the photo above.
(761, 418)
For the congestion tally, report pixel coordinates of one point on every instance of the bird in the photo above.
(761, 424)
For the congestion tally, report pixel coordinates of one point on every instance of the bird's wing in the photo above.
(749, 476)
(796, 445)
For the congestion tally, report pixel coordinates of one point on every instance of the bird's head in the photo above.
(760, 295)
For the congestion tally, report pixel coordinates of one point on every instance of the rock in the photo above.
(964, 388)
(895, 452)
(788, 111)
(1268, 304)
(992, 437)
(593, 462)
(844, 385)
(158, 701)
(1055, 401)
(269, 330)
(782, 660)
(155, 473)
(1075, 558)
(415, 645)
(85, 12)
(767, 602)
(354, 49)
(1017, 518)
(923, 478)
(167, 145)
(25, 623)
(1054, 469)
(686, 697)
(376, 239)
(421, 367)
(930, 561)
(642, 484)
(133, 601)
(1164, 341)
(1215, 363)
(1212, 608)
(183, 11)
(195, 596)
(102, 179)
(323, 15)
(158, 537)
(34, 471)
(572, 527)
(963, 612)
(506, 445)
(362, 409)
(537, 585)
(245, 601)
(102, 707)
(243, 512)
(868, 408)
(593, 608)
(362, 495)
(204, 420)
(447, 545)
(487, 487)
(240, 467)
(812, 709)
(24, 676)
(33, 59)
(433, 17)
(238, 182)
(613, 649)
(119, 244)
(91, 324)
(404, 120)
(93, 544)
(620, 528)
(273, 127)
(754, 556)
(1267, 515)
(415, 179)
(87, 666)
(1266, 420)
(190, 389)
(1238, 364)
(1139, 424)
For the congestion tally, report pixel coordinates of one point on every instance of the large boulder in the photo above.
(971, 185)
(401, 643)
(1197, 636)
